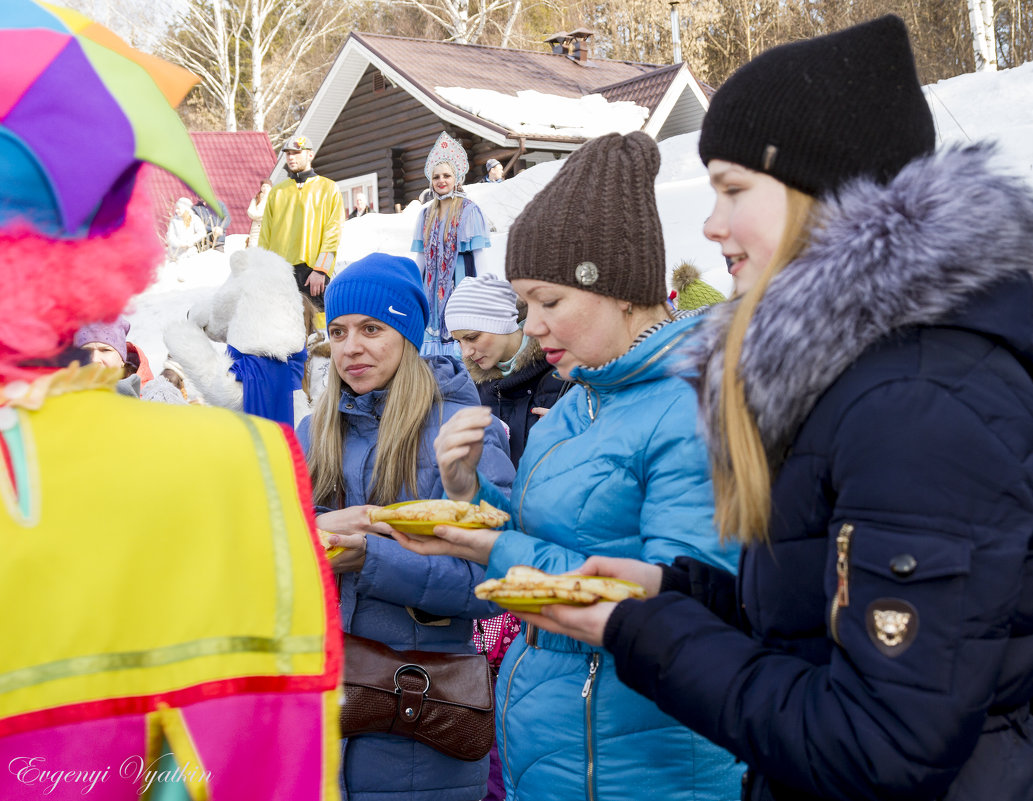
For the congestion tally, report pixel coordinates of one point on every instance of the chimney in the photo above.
(559, 43)
(675, 31)
(579, 46)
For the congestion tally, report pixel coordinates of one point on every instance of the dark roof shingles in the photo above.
(430, 64)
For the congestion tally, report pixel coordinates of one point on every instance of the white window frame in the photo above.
(350, 187)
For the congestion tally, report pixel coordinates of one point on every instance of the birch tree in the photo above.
(209, 47)
(293, 29)
(463, 21)
(984, 40)
(251, 55)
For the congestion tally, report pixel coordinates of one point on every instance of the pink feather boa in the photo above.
(52, 287)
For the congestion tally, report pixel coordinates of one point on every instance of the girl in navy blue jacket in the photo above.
(868, 403)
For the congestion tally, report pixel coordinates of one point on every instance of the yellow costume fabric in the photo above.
(192, 515)
(302, 222)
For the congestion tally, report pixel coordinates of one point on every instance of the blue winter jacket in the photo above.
(885, 647)
(615, 468)
(395, 586)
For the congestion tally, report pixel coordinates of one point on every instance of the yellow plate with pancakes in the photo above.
(527, 589)
(420, 517)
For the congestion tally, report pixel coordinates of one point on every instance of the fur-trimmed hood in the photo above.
(923, 249)
(532, 355)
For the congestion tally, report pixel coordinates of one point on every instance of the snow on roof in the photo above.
(537, 114)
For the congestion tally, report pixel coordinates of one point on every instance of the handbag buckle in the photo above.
(410, 702)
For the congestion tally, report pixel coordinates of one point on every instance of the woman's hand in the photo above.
(353, 557)
(348, 529)
(458, 447)
(588, 623)
(649, 576)
(585, 623)
(474, 544)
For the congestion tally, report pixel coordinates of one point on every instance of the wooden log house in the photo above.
(378, 111)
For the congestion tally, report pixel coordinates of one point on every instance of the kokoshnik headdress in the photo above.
(451, 150)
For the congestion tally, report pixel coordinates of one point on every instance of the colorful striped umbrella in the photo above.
(80, 110)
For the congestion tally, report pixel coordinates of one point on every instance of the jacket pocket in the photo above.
(896, 601)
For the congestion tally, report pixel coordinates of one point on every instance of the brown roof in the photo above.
(236, 162)
(429, 64)
(644, 90)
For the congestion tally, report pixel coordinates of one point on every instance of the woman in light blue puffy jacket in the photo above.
(614, 468)
(369, 442)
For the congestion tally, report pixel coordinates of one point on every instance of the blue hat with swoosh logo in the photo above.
(387, 288)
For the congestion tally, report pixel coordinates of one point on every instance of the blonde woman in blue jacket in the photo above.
(370, 442)
(615, 468)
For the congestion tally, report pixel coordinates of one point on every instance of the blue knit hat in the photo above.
(387, 288)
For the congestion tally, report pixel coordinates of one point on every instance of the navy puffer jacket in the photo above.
(885, 644)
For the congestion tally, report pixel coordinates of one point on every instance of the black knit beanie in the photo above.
(819, 112)
(595, 225)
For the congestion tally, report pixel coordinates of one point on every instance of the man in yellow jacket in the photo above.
(302, 221)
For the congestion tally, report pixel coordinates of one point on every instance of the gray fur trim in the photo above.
(881, 258)
(532, 353)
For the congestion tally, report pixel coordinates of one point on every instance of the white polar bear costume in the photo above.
(259, 314)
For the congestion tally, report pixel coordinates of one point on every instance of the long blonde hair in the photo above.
(452, 210)
(412, 395)
(742, 476)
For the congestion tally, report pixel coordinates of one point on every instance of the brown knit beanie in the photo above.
(819, 112)
(595, 225)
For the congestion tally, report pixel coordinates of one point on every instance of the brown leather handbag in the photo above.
(445, 701)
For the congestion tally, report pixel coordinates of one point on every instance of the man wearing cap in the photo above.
(493, 172)
(302, 221)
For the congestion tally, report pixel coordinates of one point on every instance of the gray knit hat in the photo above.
(482, 303)
(580, 231)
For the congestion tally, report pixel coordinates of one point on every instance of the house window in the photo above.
(351, 188)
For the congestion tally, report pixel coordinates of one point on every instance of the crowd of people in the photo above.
(823, 485)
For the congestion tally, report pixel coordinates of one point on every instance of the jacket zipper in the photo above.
(502, 721)
(527, 483)
(586, 693)
(841, 600)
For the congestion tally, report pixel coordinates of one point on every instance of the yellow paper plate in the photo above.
(422, 527)
(515, 604)
(523, 603)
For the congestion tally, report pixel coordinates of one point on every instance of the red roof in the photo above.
(236, 163)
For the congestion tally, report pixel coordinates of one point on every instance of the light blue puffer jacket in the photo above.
(616, 468)
(374, 601)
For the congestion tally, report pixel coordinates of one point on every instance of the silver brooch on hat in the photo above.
(586, 273)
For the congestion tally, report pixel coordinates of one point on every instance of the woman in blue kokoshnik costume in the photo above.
(449, 232)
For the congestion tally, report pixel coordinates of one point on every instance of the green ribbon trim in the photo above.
(157, 657)
(281, 546)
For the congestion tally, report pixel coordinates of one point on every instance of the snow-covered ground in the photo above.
(968, 108)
